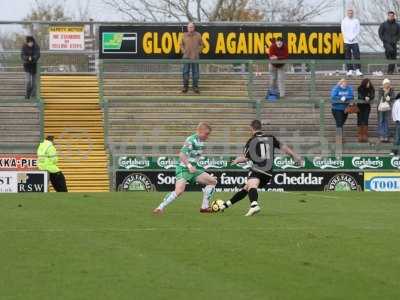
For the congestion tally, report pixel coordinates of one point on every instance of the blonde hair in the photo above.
(386, 81)
(204, 125)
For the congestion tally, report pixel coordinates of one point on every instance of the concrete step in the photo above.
(68, 84)
(203, 93)
(77, 102)
(14, 121)
(70, 90)
(160, 76)
(73, 114)
(70, 95)
(171, 81)
(111, 90)
(56, 130)
(68, 77)
(73, 118)
(199, 104)
(68, 105)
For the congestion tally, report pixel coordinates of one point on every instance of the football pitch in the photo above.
(110, 246)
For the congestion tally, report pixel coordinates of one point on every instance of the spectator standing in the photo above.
(386, 98)
(278, 51)
(350, 31)
(341, 96)
(191, 48)
(396, 119)
(30, 54)
(366, 94)
(389, 33)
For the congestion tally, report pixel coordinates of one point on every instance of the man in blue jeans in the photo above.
(191, 47)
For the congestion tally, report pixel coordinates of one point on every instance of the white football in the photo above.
(217, 205)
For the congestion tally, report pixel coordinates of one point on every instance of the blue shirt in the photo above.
(336, 95)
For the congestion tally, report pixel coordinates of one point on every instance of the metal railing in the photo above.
(52, 61)
(10, 148)
(312, 74)
(249, 77)
(248, 71)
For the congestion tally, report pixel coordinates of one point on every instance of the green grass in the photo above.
(110, 246)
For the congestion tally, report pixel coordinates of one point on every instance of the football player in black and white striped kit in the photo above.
(259, 152)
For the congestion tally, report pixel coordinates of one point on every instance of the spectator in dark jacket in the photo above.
(389, 33)
(366, 94)
(277, 51)
(30, 55)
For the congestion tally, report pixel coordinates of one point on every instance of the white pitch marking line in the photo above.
(323, 196)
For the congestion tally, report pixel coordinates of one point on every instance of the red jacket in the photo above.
(281, 53)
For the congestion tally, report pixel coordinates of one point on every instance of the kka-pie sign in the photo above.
(18, 162)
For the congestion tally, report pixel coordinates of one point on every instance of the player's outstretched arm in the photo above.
(286, 149)
(185, 160)
(239, 159)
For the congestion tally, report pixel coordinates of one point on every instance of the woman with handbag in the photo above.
(341, 96)
(366, 94)
(386, 98)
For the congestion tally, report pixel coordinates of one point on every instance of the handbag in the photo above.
(384, 106)
(352, 109)
(272, 95)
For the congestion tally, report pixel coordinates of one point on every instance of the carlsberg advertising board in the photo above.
(356, 163)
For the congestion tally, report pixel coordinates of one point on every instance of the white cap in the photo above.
(386, 81)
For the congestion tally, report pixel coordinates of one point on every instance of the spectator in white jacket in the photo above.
(396, 120)
(350, 31)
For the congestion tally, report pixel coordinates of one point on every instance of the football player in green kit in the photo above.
(189, 172)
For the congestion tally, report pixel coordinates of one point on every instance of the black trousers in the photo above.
(363, 115)
(340, 117)
(391, 53)
(58, 182)
(352, 51)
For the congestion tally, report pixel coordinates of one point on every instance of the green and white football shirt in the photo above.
(193, 149)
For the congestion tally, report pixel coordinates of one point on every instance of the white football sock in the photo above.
(208, 193)
(167, 200)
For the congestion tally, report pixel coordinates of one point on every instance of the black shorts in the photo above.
(264, 178)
